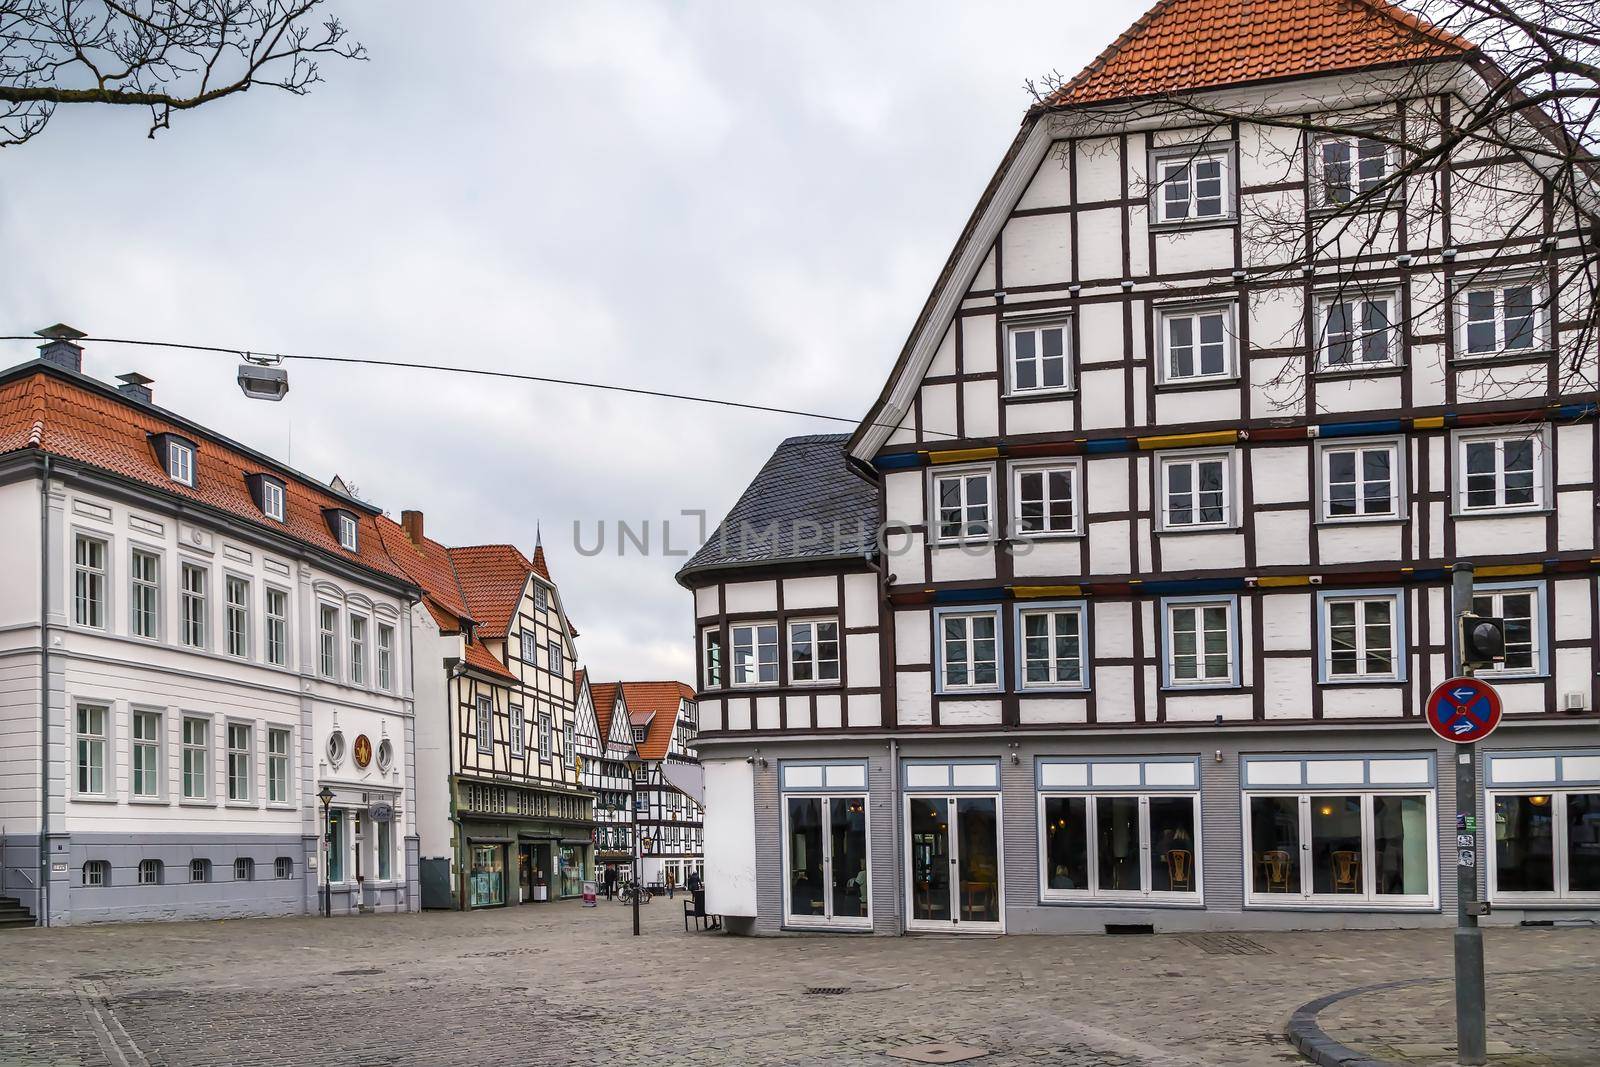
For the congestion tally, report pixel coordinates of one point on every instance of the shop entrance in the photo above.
(534, 869)
(953, 862)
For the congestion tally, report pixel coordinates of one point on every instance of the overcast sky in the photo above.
(743, 200)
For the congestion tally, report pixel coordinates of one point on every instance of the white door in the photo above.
(953, 863)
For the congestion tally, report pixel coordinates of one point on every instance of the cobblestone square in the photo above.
(559, 984)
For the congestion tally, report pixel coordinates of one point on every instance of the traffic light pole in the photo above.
(1471, 1033)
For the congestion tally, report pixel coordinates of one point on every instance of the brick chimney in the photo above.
(60, 348)
(135, 385)
(411, 523)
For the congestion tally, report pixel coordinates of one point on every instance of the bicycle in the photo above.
(628, 890)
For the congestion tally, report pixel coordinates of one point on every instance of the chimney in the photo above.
(135, 385)
(411, 523)
(60, 348)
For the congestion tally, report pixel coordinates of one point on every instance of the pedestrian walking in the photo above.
(611, 880)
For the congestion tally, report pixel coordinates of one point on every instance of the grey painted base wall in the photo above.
(1221, 816)
(19, 869)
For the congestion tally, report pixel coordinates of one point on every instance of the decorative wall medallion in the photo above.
(363, 751)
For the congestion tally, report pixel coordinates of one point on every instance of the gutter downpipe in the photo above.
(44, 695)
(899, 853)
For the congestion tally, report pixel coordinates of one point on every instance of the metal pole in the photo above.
(327, 855)
(1471, 1033)
(637, 888)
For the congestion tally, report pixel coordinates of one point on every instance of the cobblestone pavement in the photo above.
(556, 984)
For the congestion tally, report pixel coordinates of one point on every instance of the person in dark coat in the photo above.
(611, 880)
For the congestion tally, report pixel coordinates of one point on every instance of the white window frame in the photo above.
(1541, 473)
(1145, 892)
(1560, 846)
(1167, 461)
(815, 661)
(1540, 342)
(327, 640)
(1188, 157)
(241, 762)
(1398, 464)
(967, 616)
(1536, 591)
(554, 658)
(356, 626)
(544, 737)
(140, 588)
(91, 581)
(964, 477)
(1367, 899)
(280, 761)
(1354, 141)
(91, 749)
(1051, 610)
(1229, 313)
(824, 921)
(1358, 301)
(153, 748)
(1074, 471)
(754, 648)
(1037, 327)
(348, 536)
(236, 617)
(277, 628)
(180, 462)
(514, 715)
(191, 751)
(483, 724)
(195, 603)
(1170, 606)
(1361, 599)
(96, 873)
(569, 745)
(714, 665)
(150, 872)
(384, 674)
(272, 499)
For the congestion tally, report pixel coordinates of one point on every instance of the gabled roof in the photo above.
(76, 418)
(427, 563)
(492, 579)
(655, 705)
(804, 504)
(604, 695)
(1185, 45)
(480, 658)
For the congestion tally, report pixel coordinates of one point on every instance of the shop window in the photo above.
(1546, 845)
(487, 878)
(1341, 846)
(1116, 845)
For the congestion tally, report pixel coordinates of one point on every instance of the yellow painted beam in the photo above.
(963, 455)
(1431, 422)
(1189, 440)
(1033, 592)
(1508, 570)
(1278, 581)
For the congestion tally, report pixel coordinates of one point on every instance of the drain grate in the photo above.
(826, 990)
(1226, 945)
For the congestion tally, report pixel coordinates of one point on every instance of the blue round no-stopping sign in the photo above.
(1463, 710)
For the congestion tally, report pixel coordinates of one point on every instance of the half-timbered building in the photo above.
(1158, 575)
(607, 777)
(504, 817)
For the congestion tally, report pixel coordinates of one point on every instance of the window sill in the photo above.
(1323, 212)
(195, 803)
(1362, 370)
(1386, 682)
(150, 801)
(90, 798)
(1330, 905)
(1064, 393)
(1545, 901)
(1207, 223)
(1045, 536)
(1518, 676)
(1361, 520)
(994, 691)
(1218, 687)
(1052, 690)
(1120, 902)
(1501, 513)
(283, 807)
(1490, 359)
(1185, 531)
(1189, 385)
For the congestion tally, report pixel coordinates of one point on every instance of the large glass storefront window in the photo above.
(486, 879)
(336, 845)
(1547, 845)
(1135, 846)
(573, 864)
(1347, 847)
(825, 839)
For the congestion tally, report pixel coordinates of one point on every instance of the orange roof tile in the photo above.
(605, 702)
(479, 657)
(43, 408)
(655, 704)
(1185, 45)
(539, 565)
(428, 564)
(492, 578)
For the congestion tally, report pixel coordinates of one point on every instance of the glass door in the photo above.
(954, 862)
(826, 860)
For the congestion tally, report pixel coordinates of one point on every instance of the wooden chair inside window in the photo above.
(1275, 864)
(1180, 869)
(1347, 872)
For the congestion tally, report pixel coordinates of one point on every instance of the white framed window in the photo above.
(1340, 845)
(1363, 636)
(244, 869)
(93, 723)
(1521, 606)
(1197, 344)
(199, 870)
(569, 748)
(969, 650)
(237, 616)
(347, 531)
(277, 629)
(1358, 330)
(1192, 185)
(1196, 490)
(150, 872)
(385, 657)
(544, 738)
(1361, 480)
(196, 757)
(711, 648)
(180, 462)
(1200, 638)
(1120, 846)
(554, 657)
(814, 651)
(515, 715)
(144, 608)
(755, 653)
(145, 755)
(385, 755)
(963, 503)
(827, 857)
(327, 640)
(484, 725)
(639, 733)
(283, 867)
(97, 873)
(1503, 318)
(541, 598)
(278, 746)
(1052, 653)
(358, 649)
(1502, 471)
(1348, 165)
(272, 499)
(1045, 498)
(335, 748)
(241, 762)
(1040, 357)
(194, 605)
(89, 581)
(1545, 844)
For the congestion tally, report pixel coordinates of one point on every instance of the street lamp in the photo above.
(326, 796)
(636, 764)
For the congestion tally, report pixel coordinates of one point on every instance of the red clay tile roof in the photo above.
(655, 704)
(1184, 45)
(605, 702)
(43, 409)
(482, 659)
(492, 579)
(427, 564)
(539, 565)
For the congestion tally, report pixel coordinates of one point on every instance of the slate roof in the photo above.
(1186, 45)
(818, 506)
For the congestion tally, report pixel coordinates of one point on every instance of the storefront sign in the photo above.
(1463, 710)
(382, 811)
(363, 751)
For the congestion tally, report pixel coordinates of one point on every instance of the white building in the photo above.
(194, 642)
(1164, 578)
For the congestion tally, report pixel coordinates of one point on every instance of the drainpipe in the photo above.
(44, 695)
(899, 851)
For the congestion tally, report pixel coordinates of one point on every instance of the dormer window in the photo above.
(177, 457)
(269, 495)
(342, 524)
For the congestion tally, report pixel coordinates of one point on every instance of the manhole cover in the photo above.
(938, 1052)
(826, 990)
(1226, 945)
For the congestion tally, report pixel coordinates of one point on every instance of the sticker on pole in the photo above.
(1463, 710)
